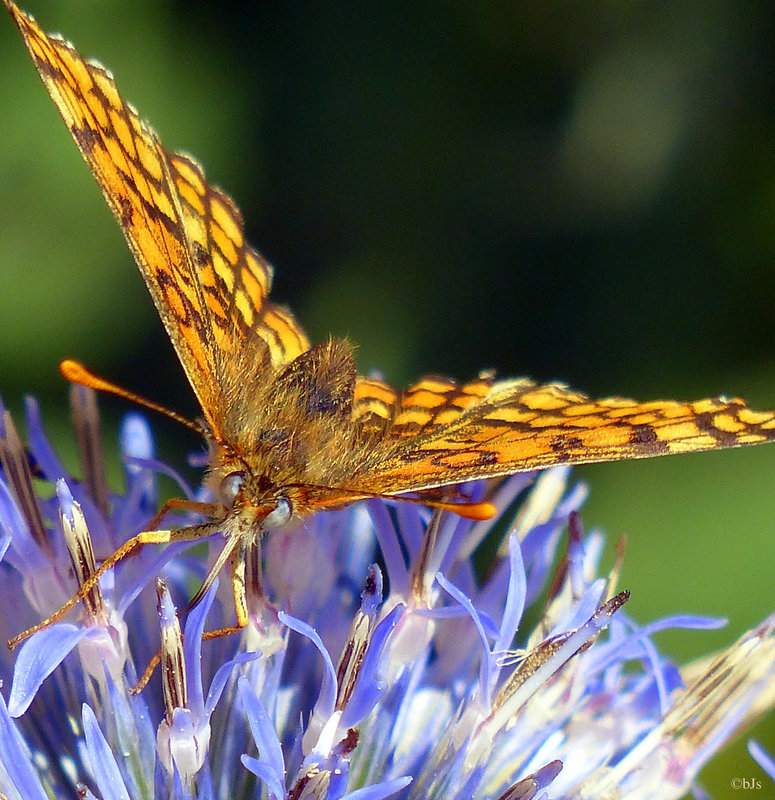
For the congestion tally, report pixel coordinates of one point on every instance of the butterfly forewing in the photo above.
(519, 426)
(235, 279)
(209, 286)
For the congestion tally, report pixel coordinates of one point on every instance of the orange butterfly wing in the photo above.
(434, 400)
(208, 284)
(445, 433)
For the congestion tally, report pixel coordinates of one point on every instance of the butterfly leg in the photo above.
(237, 570)
(245, 570)
(179, 504)
(142, 538)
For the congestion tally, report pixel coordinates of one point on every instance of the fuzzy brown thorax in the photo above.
(291, 437)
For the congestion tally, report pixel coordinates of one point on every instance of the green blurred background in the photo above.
(574, 191)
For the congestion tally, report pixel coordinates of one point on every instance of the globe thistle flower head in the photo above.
(381, 659)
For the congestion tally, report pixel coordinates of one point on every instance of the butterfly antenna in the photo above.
(77, 373)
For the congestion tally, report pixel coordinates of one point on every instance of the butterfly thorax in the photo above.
(290, 439)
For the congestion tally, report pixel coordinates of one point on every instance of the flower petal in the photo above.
(379, 791)
(37, 659)
(762, 758)
(25, 553)
(16, 760)
(264, 772)
(264, 734)
(103, 764)
(390, 547)
(327, 697)
(368, 686)
(466, 603)
(515, 596)
(192, 648)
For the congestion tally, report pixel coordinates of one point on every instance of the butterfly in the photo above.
(291, 427)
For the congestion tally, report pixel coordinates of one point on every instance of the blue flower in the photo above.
(378, 663)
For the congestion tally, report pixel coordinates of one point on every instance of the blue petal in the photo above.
(156, 466)
(103, 765)
(265, 773)
(51, 466)
(327, 698)
(411, 528)
(515, 596)
(37, 659)
(5, 539)
(687, 621)
(484, 663)
(540, 542)
(583, 609)
(356, 547)
(133, 727)
(632, 647)
(368, 688)
(264, 733)
(136, 443)
(473, 780)
(762, 758)
(151, 568)
(390, 547)
(206, 789)
(25, 554)
(656, 664)
(136, 439)
(192, 648)
(221, 677)
(39, 445)
(15, 758)
(455, 612)
(379, 791)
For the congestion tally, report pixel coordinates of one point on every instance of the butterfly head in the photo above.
(256, 502)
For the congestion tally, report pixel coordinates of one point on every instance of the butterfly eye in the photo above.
(279, 515)
(231, 486)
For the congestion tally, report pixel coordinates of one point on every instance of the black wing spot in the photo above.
(487, 457)
(562, 444)
(642, 434)
(126, 211)
(199, 254)
(86, 137)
